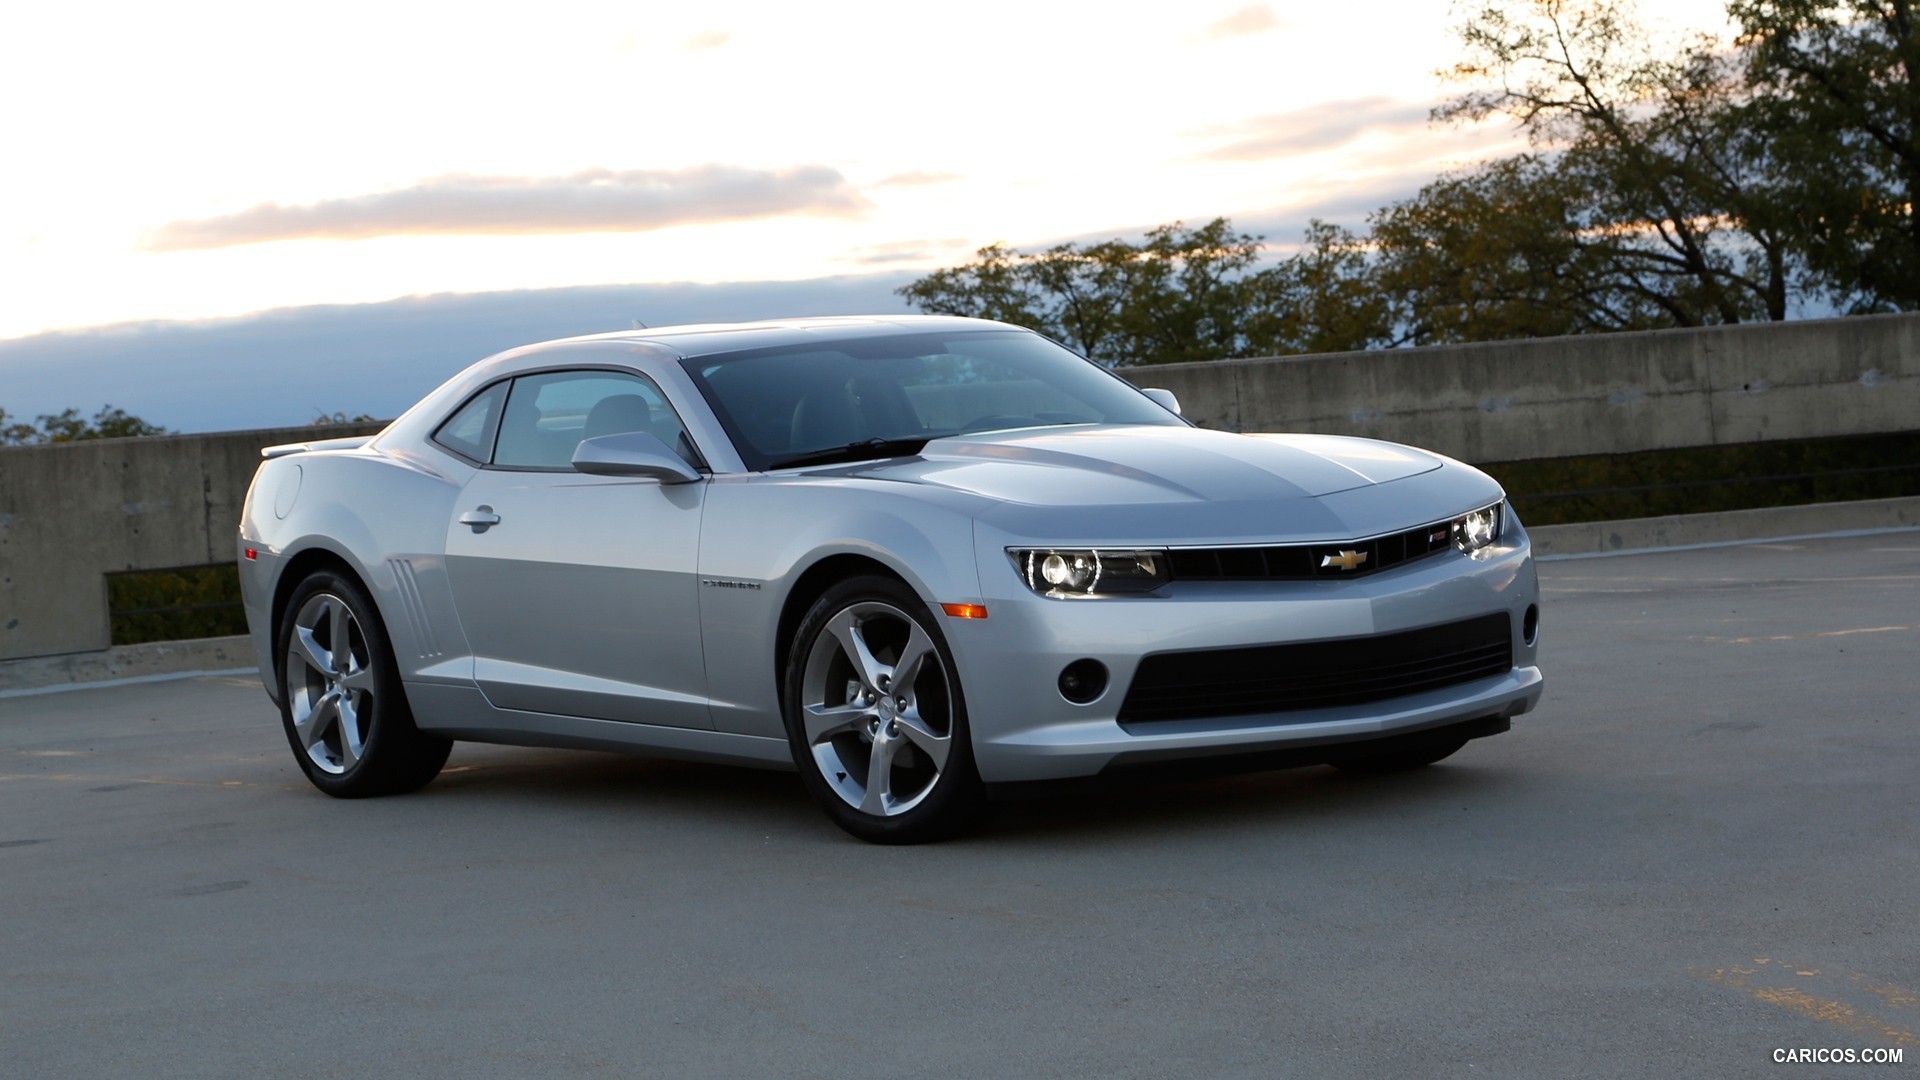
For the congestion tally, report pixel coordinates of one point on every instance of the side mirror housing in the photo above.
(1164, 399)
(632, 453)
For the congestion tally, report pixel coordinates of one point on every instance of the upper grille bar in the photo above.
(1298, 562)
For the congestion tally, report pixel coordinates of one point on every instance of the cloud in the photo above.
(1252, 19)
(1325, 126)
(370, 358)
(911, 251)
(594, 200)
(1345, 202)
(917, 178)
(711, 39)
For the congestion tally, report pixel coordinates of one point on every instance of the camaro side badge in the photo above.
(724, 583)
(1346, 560)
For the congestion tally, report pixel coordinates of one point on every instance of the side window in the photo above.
(469, 432)
(547, 415)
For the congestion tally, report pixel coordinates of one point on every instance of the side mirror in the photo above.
(632, 453)
(1164, 399)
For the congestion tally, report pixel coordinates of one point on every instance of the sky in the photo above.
(196, 163)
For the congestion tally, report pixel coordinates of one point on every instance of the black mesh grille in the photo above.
(1294, 562)
(1206, 683)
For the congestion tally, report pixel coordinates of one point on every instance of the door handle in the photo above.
(481, 518)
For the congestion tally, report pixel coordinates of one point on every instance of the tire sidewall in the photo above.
(957, 799)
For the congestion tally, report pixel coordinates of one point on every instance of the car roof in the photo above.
(710, 339)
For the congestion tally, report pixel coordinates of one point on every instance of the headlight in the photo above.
(1072, 572)
(1476, 530)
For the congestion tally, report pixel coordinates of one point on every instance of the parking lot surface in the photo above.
(1702, 849)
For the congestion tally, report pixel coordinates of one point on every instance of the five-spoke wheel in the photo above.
(345, 712)
(876, 716)
(329, 683)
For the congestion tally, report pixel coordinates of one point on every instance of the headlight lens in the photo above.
(1075, 572)
(1476, 530)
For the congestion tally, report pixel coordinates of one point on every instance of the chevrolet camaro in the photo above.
(926, 561)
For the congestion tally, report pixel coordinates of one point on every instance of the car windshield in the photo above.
(882, 396)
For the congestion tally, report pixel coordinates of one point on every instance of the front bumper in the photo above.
(1025, 730)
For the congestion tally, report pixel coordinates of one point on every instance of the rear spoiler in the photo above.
(351, 442)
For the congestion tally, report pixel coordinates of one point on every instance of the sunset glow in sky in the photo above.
(199, 159)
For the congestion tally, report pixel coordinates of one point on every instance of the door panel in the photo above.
(578, 593)
(583, 599)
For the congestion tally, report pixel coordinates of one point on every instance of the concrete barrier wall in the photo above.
(71, 513)
(1572, 396)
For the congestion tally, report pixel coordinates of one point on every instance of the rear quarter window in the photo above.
(470, 432)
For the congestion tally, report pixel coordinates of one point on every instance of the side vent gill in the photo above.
(415, 609)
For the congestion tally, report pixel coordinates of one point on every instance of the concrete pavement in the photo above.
(1704, 847)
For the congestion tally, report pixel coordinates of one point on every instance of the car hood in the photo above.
(1185, 485)
(1108, 466)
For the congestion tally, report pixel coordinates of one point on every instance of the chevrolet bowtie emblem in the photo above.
(1346, 560)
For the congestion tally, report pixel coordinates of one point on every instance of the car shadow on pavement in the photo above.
(1314, 796)
(577, 778)
(758, 800)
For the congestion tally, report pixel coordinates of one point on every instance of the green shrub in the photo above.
(175, 605)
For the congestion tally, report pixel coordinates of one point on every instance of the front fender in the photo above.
(760, 537)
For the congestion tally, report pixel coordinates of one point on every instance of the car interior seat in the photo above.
(826, 417)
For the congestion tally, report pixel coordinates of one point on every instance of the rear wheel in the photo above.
(342, 704)
(876, 718)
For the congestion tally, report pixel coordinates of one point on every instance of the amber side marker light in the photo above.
(965, 611)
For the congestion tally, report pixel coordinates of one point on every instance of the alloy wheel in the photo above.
(876, 706)
(330, 683)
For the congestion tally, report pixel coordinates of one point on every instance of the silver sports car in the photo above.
(926, 561)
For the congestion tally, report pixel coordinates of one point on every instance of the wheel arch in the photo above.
(940, 793)
(299, 567)
(812, 584)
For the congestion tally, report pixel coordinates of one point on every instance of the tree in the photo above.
(1182, 292)
(1178, 295)
(1662, 184)
(69, 426)
(1684, 183)
(17, 434)
(1327, 297)
(1494, 252)
(1836, 99)
(337, 418)
(996, 285)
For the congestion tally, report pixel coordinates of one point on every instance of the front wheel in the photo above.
(341, 701)
(876, 717)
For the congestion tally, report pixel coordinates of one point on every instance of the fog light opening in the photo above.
(1083, 681)
(1530, 624)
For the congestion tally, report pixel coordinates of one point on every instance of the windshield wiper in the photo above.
(864, 450)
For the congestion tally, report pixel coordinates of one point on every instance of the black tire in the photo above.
(1393, 761)
(928, 787)
(345, 713)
